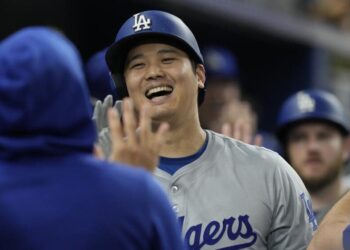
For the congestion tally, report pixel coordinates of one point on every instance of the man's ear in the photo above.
(200, 74)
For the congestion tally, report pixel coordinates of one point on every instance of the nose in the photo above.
(154, 71)
(313, 144)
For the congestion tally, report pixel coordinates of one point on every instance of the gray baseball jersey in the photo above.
(239, 196)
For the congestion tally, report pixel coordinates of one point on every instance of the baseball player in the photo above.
(313, 128)
(227, 194)
(53, 193)
(224, 109)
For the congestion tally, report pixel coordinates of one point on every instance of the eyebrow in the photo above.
(161, 51)
(133, 58)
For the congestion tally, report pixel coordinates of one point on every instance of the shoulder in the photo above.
(253, 159)
(236, 145)
(118, 179)
(240, 151)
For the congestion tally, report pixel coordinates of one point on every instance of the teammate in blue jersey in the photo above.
(53, 193)
(227, 194)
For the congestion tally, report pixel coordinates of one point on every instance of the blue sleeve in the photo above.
(346, 238)
(166, 234)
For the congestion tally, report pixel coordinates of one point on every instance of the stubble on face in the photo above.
(319, 165)
(316, 184)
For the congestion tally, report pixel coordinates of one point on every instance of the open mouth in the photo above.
(159, 91)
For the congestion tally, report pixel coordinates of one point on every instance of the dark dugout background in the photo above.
(277, 53)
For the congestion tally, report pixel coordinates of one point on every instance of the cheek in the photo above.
(185, 72)
(132, 83)
(295, 154)
(333, 149)
(335, 144)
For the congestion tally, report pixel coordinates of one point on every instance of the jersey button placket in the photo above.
(174, 191)
(175, 208)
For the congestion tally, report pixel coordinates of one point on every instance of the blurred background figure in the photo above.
(53, 193)
(313, 130)
(280, 45)
(334, 12)
(270, 141)
(226, 109)
(222, 88)
(97, 75)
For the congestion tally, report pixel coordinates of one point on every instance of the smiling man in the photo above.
(172, 82)
(227, 194)
(313, 129)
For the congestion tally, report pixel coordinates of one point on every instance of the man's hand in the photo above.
(242, 131)
(138, 148)
(239, 122)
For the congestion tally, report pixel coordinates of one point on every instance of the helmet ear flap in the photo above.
(120, 85)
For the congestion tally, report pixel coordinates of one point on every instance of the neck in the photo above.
(184, 138)
(328, 195)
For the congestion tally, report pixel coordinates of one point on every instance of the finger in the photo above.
(98, 153)
(97, 109)
(115, 127)
(104, 140)
(258, 140)
(108, 102)
(145, 129)
(237, 134)
(246, 131)
(96, 117)
(118, 106)
(160, 137)
(129, 121)
(226, 129)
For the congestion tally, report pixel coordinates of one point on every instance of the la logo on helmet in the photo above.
(305, 102)
(141, 22)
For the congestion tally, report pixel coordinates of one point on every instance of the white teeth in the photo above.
(158, 89)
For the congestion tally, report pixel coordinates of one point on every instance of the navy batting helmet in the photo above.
(311, 105)
(152, 25)
(220, 63)
(97, 75)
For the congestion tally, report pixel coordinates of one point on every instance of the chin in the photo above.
(160, 116)
(317, 184)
